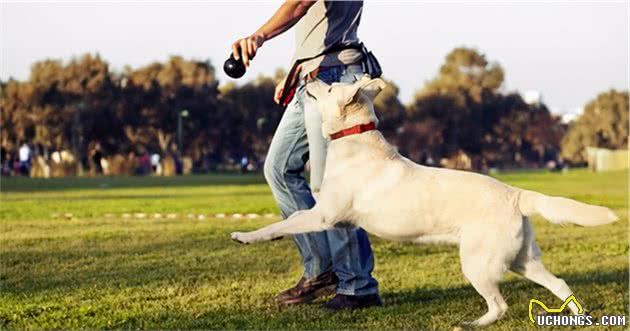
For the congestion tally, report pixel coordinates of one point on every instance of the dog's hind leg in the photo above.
(488, 288)
(529, 265)
(300, 222)
(483, 264)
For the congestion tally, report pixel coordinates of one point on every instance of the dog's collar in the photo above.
(353, 130)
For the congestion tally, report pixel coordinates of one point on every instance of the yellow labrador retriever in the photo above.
(368, 184)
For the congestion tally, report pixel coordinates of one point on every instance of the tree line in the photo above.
(461, 118)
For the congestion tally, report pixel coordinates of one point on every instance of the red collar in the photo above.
(353, 130)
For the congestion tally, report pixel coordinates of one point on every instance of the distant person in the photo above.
(25, 159)
(97, 156)
(179, 165)
(244, 162)
(143, 163)
(5, 158)
(339, 259)
(16, 167)
(155, 164)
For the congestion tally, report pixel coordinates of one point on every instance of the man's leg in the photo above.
(352, 256)
(283, 169)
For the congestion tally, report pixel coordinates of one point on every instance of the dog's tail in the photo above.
(562, 210)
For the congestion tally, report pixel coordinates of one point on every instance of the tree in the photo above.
(250, 116)
(517, 132)
(604, 123)
(389, 109)
(471, 115)
(74, 105)
(153, 96)
(465, 71)
(456, 101)
(58, 105)
(460, 113)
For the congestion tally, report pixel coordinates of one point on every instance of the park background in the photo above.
(461, 107)
(528, 92)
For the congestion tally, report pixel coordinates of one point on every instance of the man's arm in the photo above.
(289, 13)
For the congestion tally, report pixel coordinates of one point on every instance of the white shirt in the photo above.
(25, 153)
(155, 159)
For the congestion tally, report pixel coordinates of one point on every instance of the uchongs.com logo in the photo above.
(553, 316)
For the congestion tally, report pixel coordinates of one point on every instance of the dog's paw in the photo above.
(239, 237)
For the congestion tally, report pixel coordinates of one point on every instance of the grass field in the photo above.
(95, 269)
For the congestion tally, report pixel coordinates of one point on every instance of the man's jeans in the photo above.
(345, 250)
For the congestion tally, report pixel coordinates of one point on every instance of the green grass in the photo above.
(96, 272)
(38, 199)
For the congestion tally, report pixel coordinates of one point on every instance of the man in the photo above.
(339, 259)
(25, 159)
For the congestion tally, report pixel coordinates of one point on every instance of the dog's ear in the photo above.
(317, 88)
(373, 87)
(370, 87)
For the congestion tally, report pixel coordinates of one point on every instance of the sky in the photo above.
(569, 51)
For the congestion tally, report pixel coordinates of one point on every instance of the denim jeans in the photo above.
(298, 138)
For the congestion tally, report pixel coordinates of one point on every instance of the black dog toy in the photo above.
(234, 68)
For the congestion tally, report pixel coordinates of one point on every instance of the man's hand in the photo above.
(279, 90)
(289, 13)
(247, 47)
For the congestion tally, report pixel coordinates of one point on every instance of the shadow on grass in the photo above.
(521, 284)
(426, 306)
(190, 261)
(29, 272)
(130, 259)
(187, 257)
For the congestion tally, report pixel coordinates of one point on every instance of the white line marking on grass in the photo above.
(200, 217)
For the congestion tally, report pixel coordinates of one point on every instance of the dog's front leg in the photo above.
(300, 222)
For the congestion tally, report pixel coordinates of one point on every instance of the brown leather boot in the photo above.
(307, 290)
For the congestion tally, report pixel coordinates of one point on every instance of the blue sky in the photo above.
(569, 51)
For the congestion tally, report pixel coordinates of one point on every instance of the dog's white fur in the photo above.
(368, 184)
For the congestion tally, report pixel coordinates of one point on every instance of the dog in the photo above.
(369, 185)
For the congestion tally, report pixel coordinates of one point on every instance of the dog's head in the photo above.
(345, 105)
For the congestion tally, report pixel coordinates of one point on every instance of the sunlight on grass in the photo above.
(92, 272)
